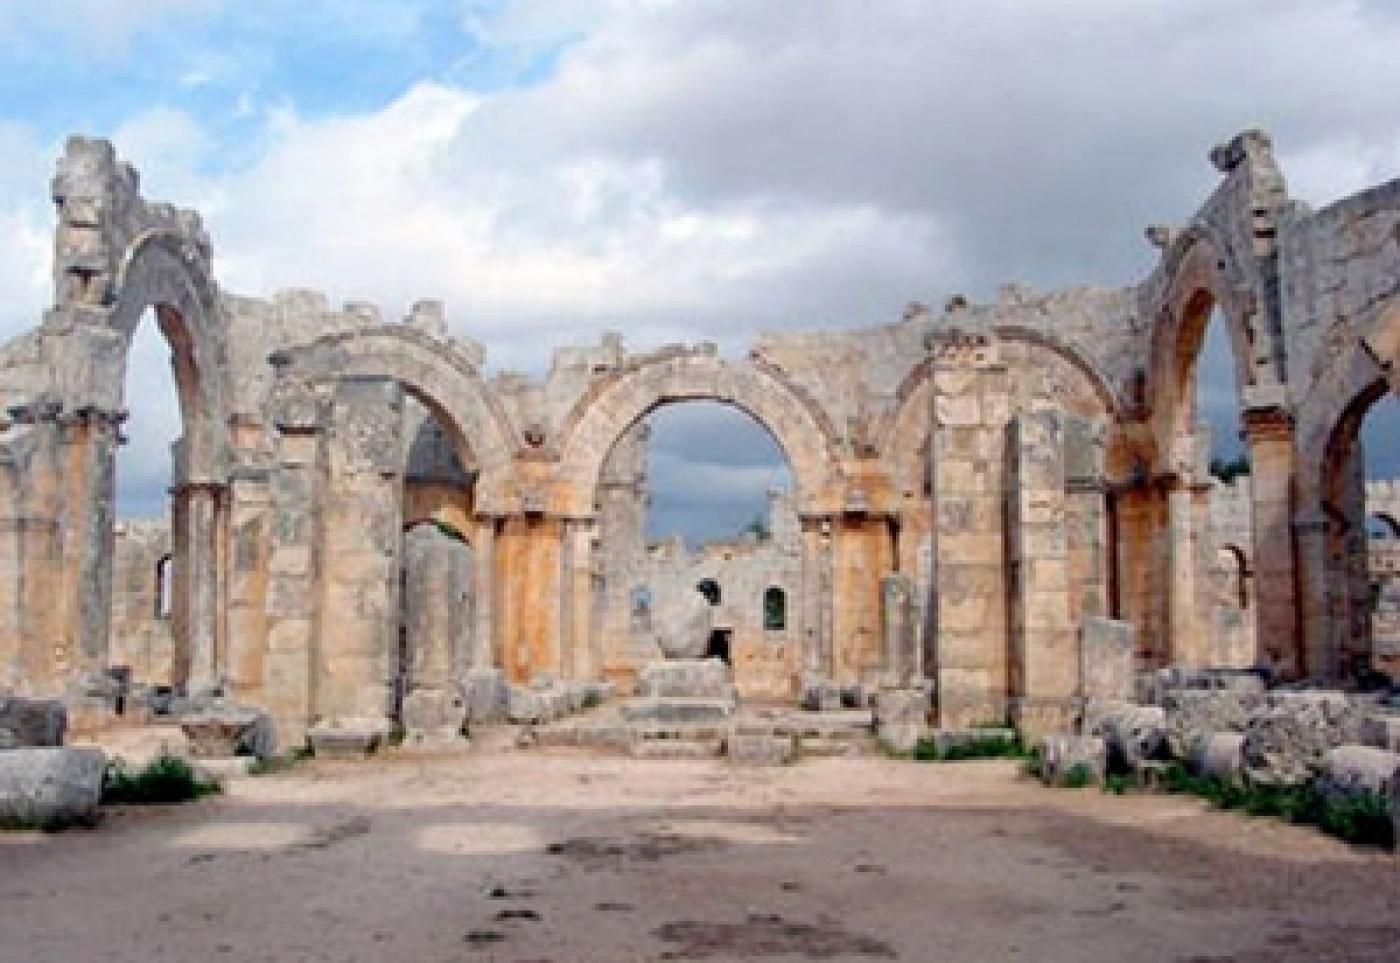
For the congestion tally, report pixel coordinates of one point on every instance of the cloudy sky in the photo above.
(675, 170)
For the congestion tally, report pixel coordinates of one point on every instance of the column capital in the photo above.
(1268, 422)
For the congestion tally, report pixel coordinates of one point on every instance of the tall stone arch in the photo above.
(438, 375)
(604, 415)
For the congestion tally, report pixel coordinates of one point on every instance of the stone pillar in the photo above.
(84, 596)
(575, 601)
(1269, 432)
(363, 539)
(196, 554)
(1044, 670)
(1310, 530)
(970, 400)
(486, 654)
(1181, 582)
(898, 635)
(38, 538)
(11, 568)
(249, 516)
(1086, 518)
(293, 608)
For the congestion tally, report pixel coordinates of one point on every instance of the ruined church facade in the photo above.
(972, 485)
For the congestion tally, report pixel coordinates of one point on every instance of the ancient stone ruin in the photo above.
(999, 510)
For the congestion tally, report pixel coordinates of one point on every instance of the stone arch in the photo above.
(910, 419)
(164, 270)
(439, 376)
(604, 415)
(1200, 278)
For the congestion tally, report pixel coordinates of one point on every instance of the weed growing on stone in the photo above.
(982, 747)
(1363, 819)
(165, 779)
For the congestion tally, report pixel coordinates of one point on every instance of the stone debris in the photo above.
(216, 733)
(51, 786)
(31, 722)
(1354, 770)
(1067, 759)
(1193, 716)
(1287, 739)
(901, 718)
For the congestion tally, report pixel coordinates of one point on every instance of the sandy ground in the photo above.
(497, 854)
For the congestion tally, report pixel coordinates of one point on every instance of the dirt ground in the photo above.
(501, 854)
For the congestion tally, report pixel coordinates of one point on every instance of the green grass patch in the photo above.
(271, 765)
(1362, 819)
(165, 779)
(981, 747)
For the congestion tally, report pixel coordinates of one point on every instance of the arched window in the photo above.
(774, 609)
(641, 601)
(164, 589)
(710, 589)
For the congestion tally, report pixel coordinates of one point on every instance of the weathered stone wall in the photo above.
(141, 600)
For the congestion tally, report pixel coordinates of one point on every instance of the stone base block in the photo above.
(222, 733)
(31, 722)
(1382, 732)
(347, 738)
(1219, 756)
(685, 678)
(1357, 770)
(433, 710)
(901, 717)
(675, 748)
(949, 739)
(760, 749)
(1036, 718)
(1135, 734)
(484, 696)
(673, 710)
(820, 694)
(50, 787)
(1066, 759)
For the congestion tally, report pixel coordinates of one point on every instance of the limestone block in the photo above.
(347, 738)
(1381, 731)
(1134, 734)
(31, 722)
(1152, 687)
(1106, 658)
(1219, 755)
(1195, 714)
(1064, 756)
(677, 709)
(484, 695)
(50, 786)
(1356, 770)
(699, 678)
(1287, 739)
(760, 749)
(222, 732)
(819, 694)
(433, 710)
(901, 717)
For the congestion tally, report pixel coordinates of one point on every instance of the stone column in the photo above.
(1277, 613)
(575, 609)
(363, 541)
(1183, 631)
(196, 554)
(11, 567)
(1310, 529)
(967, 617)
(246, 578)
(897, 630)
(1086, 518)
(84, 596)
(486, 654)
(1044, 674)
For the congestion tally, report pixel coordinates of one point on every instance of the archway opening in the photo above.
(695, 503)
(1361, 501)
(148, 571)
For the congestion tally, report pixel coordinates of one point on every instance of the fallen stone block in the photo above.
(952, 740)
(347, 738)
(760, 749)
(1358, 770)
(1219, 756)
(1288, 738)
(31, 722)
(1134, 734)
(50, 787)
(1068, 760)
(1195, 715)
(222, 733)
(1381, 731)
